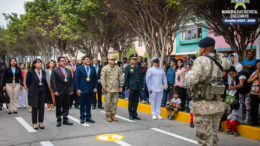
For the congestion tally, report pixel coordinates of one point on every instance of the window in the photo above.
(192, 32)
(140, 42)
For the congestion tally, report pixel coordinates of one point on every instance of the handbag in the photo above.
(4, 98)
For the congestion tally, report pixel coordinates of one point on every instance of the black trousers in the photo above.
(133, 102)
(39, 111)
(182, 97)
(75, 97)
(254, 108)
(62, 106)
(99, 101)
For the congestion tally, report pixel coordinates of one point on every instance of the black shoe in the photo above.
(137, 118)
(35, 128)
(131, 118)
(81, 121)
(16, 112)
(9, 113)
(101, 107)
(41, 127)
(66, 122)
(93, 107)
(90, 121)
(58, 123)
(0, 108)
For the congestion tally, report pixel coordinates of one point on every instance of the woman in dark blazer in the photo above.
(38, 93)
(13, 82)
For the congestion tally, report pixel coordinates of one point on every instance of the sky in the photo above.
(9, 6)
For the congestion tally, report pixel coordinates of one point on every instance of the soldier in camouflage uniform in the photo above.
(110, 75)
(207, 111)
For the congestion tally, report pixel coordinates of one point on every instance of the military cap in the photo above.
(208, 41)
(133, 56)
(155, 60)
(111, 57)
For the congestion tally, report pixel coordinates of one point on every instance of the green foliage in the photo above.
(131, 51)
(197, 54)
(117, 57)
(145, 55)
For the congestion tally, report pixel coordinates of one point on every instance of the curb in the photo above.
(244, 130)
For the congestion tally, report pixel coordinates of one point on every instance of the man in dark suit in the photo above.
(86, 83)
(74, 96)
(133, 84)
(62, 85)
(98, 69)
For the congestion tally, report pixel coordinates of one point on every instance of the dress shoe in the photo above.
(131, 118)
(15, 112)
(109, 119)
(41, 127)
(159, 117)
(81, 121)
(114, 118)
(137, 118)
(58, 123)
(93, 107)
(35, 128)
(66, 122)
(90, 121)
(101, 107)
(154, 117)
(9, 112)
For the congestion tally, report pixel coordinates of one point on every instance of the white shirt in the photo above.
(124, 65)
(155, 76)
(176, 102)
(74, 66)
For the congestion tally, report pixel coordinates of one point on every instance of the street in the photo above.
(17, 130)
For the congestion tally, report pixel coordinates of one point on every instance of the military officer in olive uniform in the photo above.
(133, 84)
(110, 76)
(205, 79)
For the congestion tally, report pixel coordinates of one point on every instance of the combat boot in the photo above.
(114, 118)
(109, 119)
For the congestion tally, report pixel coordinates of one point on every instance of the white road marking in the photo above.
(122, 143)
(46, 143)
(175, 135)
(78, 121)
(28, 127)
(4, 105)
(120, 117)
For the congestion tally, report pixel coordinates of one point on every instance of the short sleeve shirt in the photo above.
(252, 62)
(175, 102)
(179, 76)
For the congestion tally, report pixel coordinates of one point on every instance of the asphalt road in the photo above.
(17, 130)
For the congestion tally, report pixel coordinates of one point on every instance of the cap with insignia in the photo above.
(208, 41)
(133, 56)
(111, 57)
(155, 60)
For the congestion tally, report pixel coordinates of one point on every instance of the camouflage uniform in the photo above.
(206, 118)
(110, 78)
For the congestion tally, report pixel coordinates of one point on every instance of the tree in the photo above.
(156, 22)
(131, 51)
(239, 37)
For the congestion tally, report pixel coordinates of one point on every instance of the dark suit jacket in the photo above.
(58, 84)
(133, 77)
(8, 76)
(80, 79)
(75, 70)
(33, 90)
(99, 71)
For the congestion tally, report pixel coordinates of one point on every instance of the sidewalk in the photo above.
(244, 130)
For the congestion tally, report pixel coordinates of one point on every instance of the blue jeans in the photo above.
(85, 100)
(165, 92)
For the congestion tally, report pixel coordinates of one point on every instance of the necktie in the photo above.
(74, 68)
(96, 69)
(87, 69)
(63, 69)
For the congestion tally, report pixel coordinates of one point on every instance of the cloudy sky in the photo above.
(9, 6)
